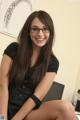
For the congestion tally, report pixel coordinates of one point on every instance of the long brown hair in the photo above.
(21, 66)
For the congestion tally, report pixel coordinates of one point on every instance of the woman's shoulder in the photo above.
(11, 50)
(13, 44)
(53, 64)
(53, 58)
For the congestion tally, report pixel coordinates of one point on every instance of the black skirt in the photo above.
(17, 97)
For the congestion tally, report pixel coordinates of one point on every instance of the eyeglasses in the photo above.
(37, 30)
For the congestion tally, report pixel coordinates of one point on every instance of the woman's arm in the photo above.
(4, 68)
(45, 85)
(40, 91)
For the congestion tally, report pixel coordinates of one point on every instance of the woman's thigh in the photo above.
(50, 110)
(42, 113)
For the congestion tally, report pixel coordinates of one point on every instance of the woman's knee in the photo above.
(67, 110)
(60, 107)
(65, 106)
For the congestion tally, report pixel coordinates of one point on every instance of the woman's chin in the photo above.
(40, 45)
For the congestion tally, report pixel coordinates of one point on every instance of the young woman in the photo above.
(27, 71)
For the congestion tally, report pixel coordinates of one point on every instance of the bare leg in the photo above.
(53, 110)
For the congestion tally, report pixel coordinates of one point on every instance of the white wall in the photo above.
(66, 17)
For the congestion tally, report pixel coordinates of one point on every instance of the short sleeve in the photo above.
(53, 64)
(11, 50)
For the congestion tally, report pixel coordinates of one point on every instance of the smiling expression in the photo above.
(39, 33)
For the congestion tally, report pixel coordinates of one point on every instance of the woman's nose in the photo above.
(40, 32)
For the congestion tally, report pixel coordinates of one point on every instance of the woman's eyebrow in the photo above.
(38, 26)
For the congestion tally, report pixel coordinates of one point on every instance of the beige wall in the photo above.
(66, 17)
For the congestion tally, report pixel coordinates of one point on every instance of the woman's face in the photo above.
(39, 33)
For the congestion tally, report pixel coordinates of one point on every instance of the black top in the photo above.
(18, 95)
(11, 51)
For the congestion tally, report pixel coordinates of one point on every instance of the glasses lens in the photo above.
(45, 30)
(35, 30)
